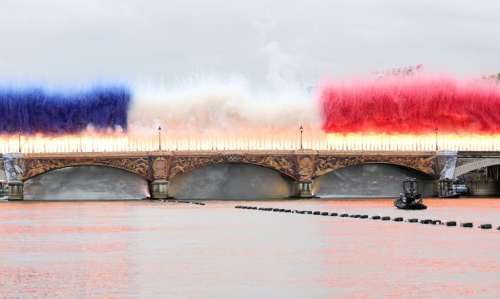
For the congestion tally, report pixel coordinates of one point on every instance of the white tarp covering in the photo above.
(12, 167)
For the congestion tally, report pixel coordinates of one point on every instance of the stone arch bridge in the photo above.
(160, 167)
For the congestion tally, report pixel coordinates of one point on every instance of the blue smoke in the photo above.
(35, 110)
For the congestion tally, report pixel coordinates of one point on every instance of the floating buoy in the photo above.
(364, 216)
(485, 226)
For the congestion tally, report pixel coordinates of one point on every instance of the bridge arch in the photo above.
(282, 164)
(371, 179)
(137, 166)
(326, 165)
(233, 180)
(29, 176)
(471, 166)
(86, 182)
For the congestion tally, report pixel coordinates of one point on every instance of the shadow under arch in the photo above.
(231, 180)
(86, 182)
(369, 180)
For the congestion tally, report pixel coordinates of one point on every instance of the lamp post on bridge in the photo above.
(159, 138)
(19, 141)
(301, 132)
(436, 139)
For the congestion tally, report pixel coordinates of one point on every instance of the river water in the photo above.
(134, 249)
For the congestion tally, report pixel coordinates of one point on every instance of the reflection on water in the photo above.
(154, 249)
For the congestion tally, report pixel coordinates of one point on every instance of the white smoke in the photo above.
(221, 106)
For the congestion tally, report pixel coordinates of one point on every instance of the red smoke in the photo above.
(412, 105)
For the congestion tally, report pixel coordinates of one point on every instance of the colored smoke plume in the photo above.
(411, 105)
(38, 111)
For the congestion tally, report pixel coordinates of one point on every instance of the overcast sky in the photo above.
(268, 42)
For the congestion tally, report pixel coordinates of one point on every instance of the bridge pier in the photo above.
(304, 189)
(15, 190)
(159, 189)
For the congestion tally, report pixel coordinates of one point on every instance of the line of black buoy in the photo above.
(185, 201)
(374, 217)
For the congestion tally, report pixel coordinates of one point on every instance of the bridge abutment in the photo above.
(159, 189)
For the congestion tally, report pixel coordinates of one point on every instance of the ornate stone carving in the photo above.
(233, 158)
(305, 169)
(36, 166)
(325, 164)
(282, 164)
(297, 165)
(185, 164)
(160, 168)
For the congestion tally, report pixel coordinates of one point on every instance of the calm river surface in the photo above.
(135, 249)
